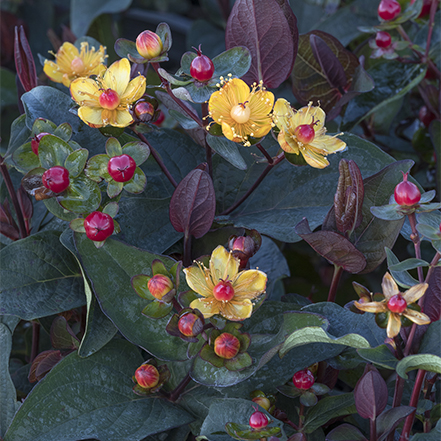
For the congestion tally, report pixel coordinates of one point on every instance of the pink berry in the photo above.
(99, 226)
(159, 286)
(109, 99)
(305, 133)
(223, 291)
(406, 193)
(56, 179)
(303, 379)
(160, 119)
(147, 376)
(425, 10)
(121, 168)
(201, 68)
(397, 304)
(36, 141)
(258, 420)
(149, 45)
(226, 346)
(388, 9)
(383, 39)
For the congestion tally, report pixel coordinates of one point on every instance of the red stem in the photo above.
(338, 271)
(208, 151)
(265, 153)
(373, 430)
(175, 394)
(433, 8)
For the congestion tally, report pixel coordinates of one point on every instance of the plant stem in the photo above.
(208, 151)
(187, 249)
(373, 429)
(338, 271)
(301, 411)
(176, 393)
(265, 153)
(417, 244)
(35, 340)
(157, 158)
(176, 305)
(413, 403)
(13, 195)
(427, 391)
(432, 266)
(268, 168)
(399, 351)
(433, 8)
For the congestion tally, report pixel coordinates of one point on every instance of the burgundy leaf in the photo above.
(24, 61)
(193, 204)
(333, 247)
(348, 199)
(345, 432)
(432, 297)
(329, 63)
(42, 364)
(25, 203)
(62, 336)
(9, 231)
(268, 28)
(370, 393)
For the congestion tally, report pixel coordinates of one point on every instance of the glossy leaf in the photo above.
(53, 151)
(403, 278)
(25, 159)
(345, 432)
(229, 150)
(137, 184)
(389, 420)
(82, 195)
(139, 151)
(76, 161)
(19, 134)
(157, 310)
(263, 27)
(380, 355)
(127, 49)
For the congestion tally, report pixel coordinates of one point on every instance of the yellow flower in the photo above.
(396, 305)
(106, 100)
(224, 289)
(303, 132)
(240, 111)
(71, 64)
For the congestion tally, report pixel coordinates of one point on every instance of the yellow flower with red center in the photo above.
(240, 111)
(106, 100)
(303, 132)
(396, 304)
(224, 289)
(70, 63)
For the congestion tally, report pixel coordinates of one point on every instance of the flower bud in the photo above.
(147, 376)
(262, 402)
(190, 325)
(144, 111)
(159, 286)
(226, 346)
(149, 44)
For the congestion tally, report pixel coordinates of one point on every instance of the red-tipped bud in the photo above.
(407, 193)
(262, 402)
(159, 286)
(147, 376)
(109, 99)
(226, 346)
(144, 111)
(36, 141)
(258, 420)
(388, 9)
(397, 304)
(223, 291)
(149, 45)
(190, 325)
(303, 379)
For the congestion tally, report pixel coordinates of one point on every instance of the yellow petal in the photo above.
(85, 92)
(122, 118)
(66, 80)
(327, 144)
(135, 90)
(371, 306)
(415, 293)
(249, 284)
(393, 325)
(313, 158)
(91, 116)
(228, 132)
(236, 311)
(237, 91)
(390, 288)
(65, 55)
(207, 309)
(195, 276)
(287, 144)
(308, 114)
(117, 76)
(417, 317)
(282, 113)
(52, 70)
(223, 265)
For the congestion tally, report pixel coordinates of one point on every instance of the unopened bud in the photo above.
(147, 376)
(262, 402)
(190, 325)
(144, 111)
(149, 44)
(159, 286)
(226, 346)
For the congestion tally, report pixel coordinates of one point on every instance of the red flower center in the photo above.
(109, 99)
(397, 304)
(305, 133)
(223, 291)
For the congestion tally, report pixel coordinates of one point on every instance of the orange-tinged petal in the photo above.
(207, 309)
(313, 158)
(228, 132)
(117, 76)
(390, 288)
(223, 265)
(393, 325)
(371, 306)
(415, 293)
(237, 311)
(91, 115)
(417, 317)
(287, 144)
(197, 280)
(249, 284)
(85, 92)
(135, 90)
(123, 118)
(52, 70)
(326, 144)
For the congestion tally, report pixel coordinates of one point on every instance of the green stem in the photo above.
(301, 411)
(338, 271)
(433, 8)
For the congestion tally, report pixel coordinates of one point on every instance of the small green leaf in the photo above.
(140, 285)
(96, 168)
(137, 150)
(403, 278)
(229, 150)
(114, 188)
(113, 147)
(239, 362)
(157, 310)
(64, 131)
(308, 399)
(82, 195)
(380, 355)
(428, 362)
(76, 161)
(408, 264)
(289, 390)
(127, 49)
(137, 184)
(25, 159)
(77, 225)
(111, 209)
(53, 151)
(388, 212)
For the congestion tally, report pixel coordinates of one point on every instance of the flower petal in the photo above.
(122, 118)
(117, 76)
(196, 280)
(282, 112)
(236, 311)
(237, 91)
(85, 92)
(91, 115)
(135, 90)
(417, 317)
(371, 306)
(390, 288)
(393, 325)
(65, 55)
(415, 293)
(313, 158)
(208, 309)
(228, 132)
(52, 70)
(287, 143)
(327, 144)
(223, 265)
(249, 284)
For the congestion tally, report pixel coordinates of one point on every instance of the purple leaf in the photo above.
(42, 364)
(268, 28)
(24, 61)
(370, 393)
(333, 247)
(193, 204)
(345, 432)
(432, 298)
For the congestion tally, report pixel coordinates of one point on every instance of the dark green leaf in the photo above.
(403, 278)
(430, 343)
(390, 419)
(82, 195)
(380, 355)
(408, 264)
(345, 432)
(433, 435)
(157, 310)
(53, 151)
(229, 150)
(19, 134)
(127, 49)
(25, 159)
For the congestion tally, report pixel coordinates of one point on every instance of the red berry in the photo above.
(160, 119)
(388, 9)
(56, 179)
(99, 226)
(226, 346)
(147, 376)
(303, 379)
(223, 291)
(425, 10)
(305, 133)
(159, 286)
(36, 141)
(190, 324)
(258, 420)
(109, 99)
(121, 168)
(426, 116)
(397, 304)
(406, 193)
(201, 68)
(383, 39)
